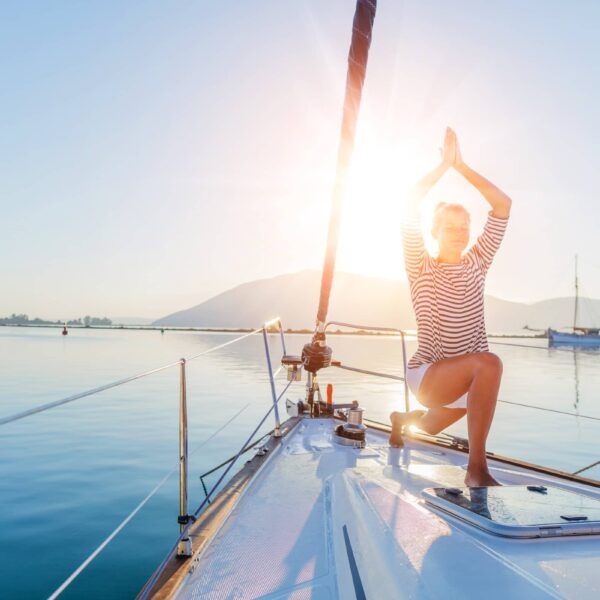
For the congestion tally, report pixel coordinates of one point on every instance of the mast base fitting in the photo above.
(316, 357)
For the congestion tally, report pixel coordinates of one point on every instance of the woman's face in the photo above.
(453, 231)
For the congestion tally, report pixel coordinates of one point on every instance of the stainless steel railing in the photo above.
(392, 330)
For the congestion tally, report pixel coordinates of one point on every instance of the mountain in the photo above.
(294, 298)
(354, 299)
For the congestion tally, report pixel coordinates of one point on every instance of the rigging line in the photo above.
(49, 405)
(553, 410)
(105, 543)
(197, 511)
(247, 449)
(150, 583)
(397, 378)
(562, 348)
(215, 433)
(108, 386)
(586, 468)
(241, 337)
(366, 372)
(132, 514)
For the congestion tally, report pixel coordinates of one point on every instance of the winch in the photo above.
(352, 432)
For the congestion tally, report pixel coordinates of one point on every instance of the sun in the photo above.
(380, 178)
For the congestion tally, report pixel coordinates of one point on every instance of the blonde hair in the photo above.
(441, 209)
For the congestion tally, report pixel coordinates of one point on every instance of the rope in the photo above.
(132, 514)
(108, 386)
(241, 337)
(565, 348)
(586, 468)
(553, 410)
(105, 543)
(225, 462)
(197, 511)
(49, 405)
(366, 372)
(398, 378)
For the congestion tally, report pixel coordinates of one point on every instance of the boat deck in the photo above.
(325, 521)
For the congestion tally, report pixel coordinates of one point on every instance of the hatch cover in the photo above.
(520, 511)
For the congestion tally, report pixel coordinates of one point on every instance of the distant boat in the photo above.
(65, 331)
(580, 336)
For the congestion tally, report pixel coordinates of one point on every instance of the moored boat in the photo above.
(579, 336)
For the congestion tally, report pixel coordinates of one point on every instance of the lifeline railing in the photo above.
(402, 335)
(184, 519)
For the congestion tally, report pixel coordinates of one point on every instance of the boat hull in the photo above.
(572, 339)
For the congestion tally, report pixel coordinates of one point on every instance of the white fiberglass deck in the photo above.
(322, 521)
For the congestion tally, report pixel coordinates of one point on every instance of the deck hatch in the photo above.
(519, 511)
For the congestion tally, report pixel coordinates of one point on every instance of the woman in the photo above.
(453, 373)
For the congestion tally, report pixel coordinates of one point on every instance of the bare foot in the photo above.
(479, 477)
(400, 420)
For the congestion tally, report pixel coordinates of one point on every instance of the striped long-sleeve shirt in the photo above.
(448, 298)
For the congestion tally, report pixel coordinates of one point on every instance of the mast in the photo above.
(362, 29)
(317, 355)
(576, 297)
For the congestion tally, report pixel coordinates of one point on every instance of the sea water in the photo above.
(69, 476)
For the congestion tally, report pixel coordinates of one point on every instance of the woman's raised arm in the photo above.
(412, 240)
(495, 197)
(423, 186)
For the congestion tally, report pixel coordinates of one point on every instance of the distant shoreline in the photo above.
(243, 330)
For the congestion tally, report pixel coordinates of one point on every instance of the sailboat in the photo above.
(580, 336)
(325, 509)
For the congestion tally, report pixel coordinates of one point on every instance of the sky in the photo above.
(154, 154)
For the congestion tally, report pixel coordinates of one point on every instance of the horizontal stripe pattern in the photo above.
(449, 299)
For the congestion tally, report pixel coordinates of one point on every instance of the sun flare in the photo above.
(380, 178)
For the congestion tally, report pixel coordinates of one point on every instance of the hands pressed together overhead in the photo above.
(451, 156)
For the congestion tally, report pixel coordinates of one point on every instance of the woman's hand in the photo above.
(449, 150)
(458, 161)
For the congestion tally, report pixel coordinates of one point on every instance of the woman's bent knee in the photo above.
(489, 362)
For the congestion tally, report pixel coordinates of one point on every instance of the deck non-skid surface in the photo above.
(323, 521)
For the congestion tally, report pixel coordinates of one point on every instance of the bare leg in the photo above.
(399, 420)
(482, 397)
(447, 380)
(437, 419)
(432, 421)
